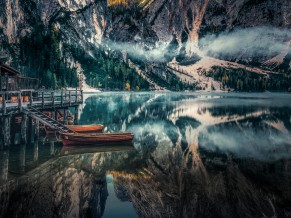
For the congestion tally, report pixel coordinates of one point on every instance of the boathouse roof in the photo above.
(9, 70)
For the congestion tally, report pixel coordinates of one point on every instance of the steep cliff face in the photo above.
(148, 34)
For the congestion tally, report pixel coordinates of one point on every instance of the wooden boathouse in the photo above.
(21, 99)
(12, 80)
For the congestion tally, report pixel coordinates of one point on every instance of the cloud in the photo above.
(155, 53)
(252, 42)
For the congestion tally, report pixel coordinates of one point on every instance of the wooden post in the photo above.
(56, 114)
(19, 101)
(42, 99)
(69, 98)
(30, 99)
(62, 100)
(76, 97)
(65, 116)
(53, 98)
(76, 116)
(24, 128)
(82, 96)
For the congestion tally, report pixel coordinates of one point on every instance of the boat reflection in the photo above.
(105, 147)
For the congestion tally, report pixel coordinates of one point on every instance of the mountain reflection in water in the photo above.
(195, 155)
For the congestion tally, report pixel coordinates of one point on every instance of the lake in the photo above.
(193, 155)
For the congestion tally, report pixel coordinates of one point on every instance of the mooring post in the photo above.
(24, 128)
(6, 130)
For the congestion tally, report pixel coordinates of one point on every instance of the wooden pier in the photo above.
(31, 107)
(12, 102)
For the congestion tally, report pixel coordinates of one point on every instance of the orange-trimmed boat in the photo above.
(86, 128)
(79, 129)
(94, 139)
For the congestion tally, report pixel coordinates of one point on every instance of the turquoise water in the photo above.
(193, 155)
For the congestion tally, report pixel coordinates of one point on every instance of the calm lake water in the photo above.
(194, 155)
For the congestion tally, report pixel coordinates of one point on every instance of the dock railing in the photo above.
(15, 100)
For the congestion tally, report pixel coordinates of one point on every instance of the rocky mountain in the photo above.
(158, 44)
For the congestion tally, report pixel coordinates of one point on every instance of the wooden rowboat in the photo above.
(94, 139)
(86, 128)
(78, 129)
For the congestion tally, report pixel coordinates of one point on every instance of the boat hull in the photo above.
(86, 128)
(79, 129)
(70, 139)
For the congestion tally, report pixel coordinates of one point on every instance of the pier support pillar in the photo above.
(6, 130)
(4, 160)
(52, 148)
(36, 130)
(24, 128)
(22, 157)
(13, 130)
(35, 151)
(30, 130)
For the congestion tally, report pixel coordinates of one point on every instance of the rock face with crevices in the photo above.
(173, 28)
